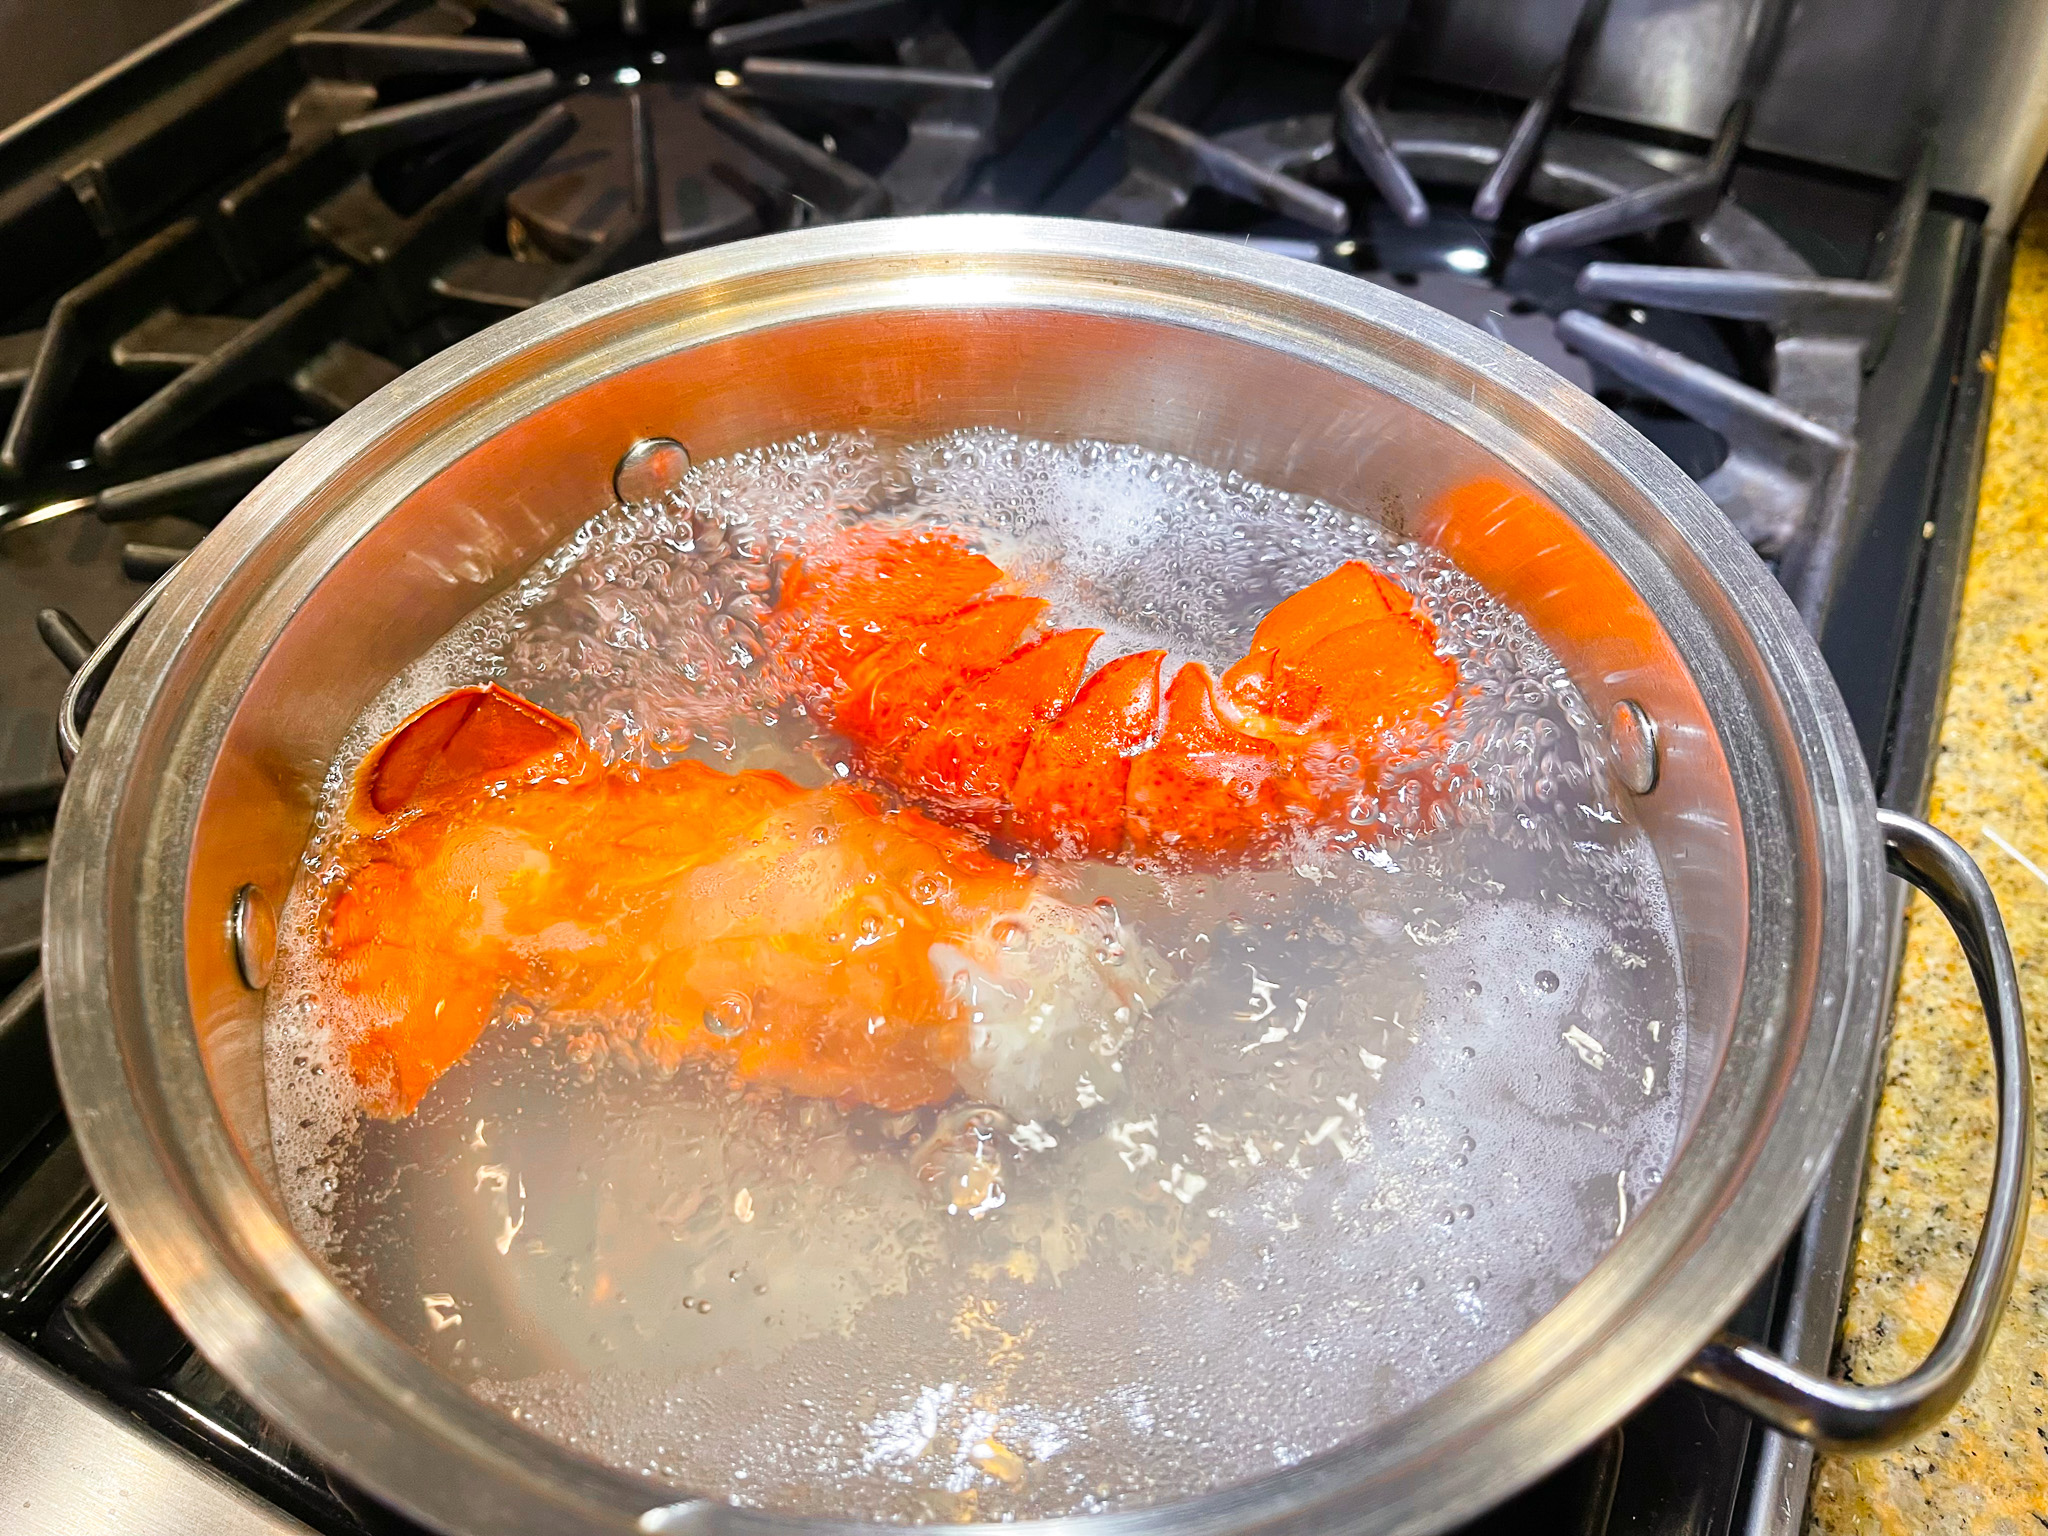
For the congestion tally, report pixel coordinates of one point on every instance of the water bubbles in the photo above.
(1546, 981)
(961, 1162)
(728, 1016)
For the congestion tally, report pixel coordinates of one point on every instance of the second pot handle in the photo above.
(1848, 1416)
(92, 674)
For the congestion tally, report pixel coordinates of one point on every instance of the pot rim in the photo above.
(236, 1278)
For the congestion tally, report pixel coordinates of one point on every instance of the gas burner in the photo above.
(1772, 440)
(957, 98)
(432, 180)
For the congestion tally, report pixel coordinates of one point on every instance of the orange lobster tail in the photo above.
(945, 707)
(785, 931)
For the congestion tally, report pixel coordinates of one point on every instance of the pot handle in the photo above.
(1848, 1416)
(86, 684)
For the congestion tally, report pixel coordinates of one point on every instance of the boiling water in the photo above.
(1394, 1097)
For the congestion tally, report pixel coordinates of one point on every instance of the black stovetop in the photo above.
(235, 237)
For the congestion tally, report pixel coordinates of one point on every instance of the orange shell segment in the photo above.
(1069, 791)
(1354, 593)
(457, 745)
(1208, 787)
(846, 596)
(898, 689)
(1363, 679)
(971, 751)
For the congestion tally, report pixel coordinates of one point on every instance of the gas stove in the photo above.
(236, 233)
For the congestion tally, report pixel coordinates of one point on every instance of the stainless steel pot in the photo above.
(191, 798)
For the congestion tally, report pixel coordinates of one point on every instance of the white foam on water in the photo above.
(1387, 1105)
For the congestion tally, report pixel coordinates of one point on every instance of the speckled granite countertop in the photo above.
(1985, 1468)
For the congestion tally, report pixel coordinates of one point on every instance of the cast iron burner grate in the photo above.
(1784, 467)
(260, 220)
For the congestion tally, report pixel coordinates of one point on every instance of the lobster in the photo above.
(905, 640)
(808, 939)
(816, 941)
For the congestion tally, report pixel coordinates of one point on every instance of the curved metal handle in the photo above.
(91, 677)
(1846, 1416)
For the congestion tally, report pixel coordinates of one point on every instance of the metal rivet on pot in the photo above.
(1633, 735)
(650, 468)
(252, 927)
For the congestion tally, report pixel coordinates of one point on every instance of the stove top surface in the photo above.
(276, 210)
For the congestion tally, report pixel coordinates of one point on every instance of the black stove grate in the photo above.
(268, 215)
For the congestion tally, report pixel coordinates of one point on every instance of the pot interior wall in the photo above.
(399, 579)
